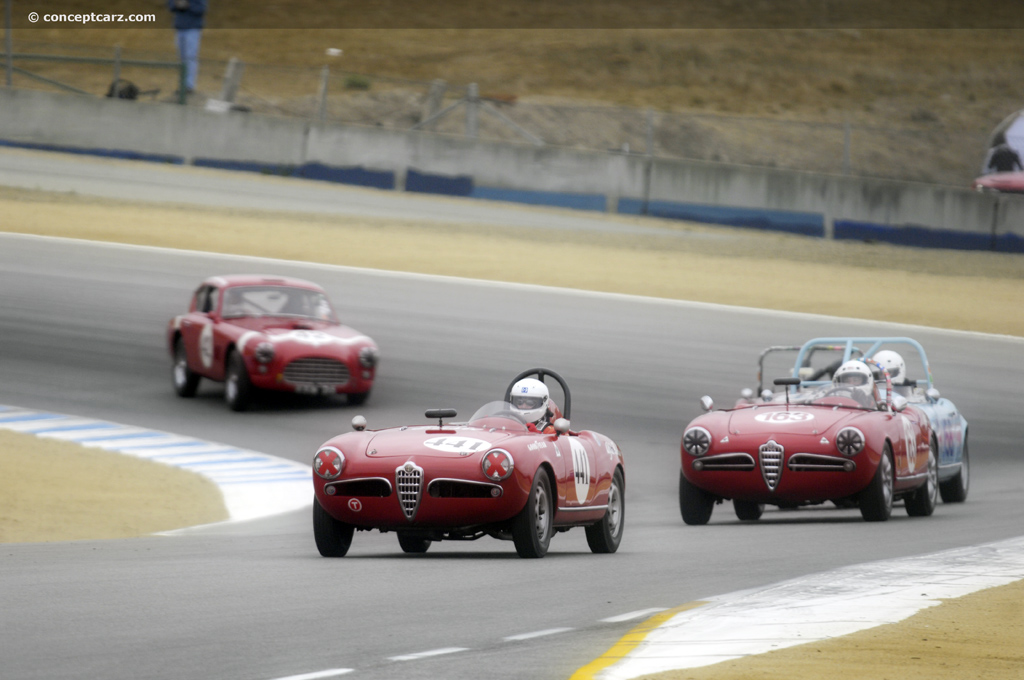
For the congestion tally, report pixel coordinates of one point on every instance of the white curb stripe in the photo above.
(253, 484)
(427, 654)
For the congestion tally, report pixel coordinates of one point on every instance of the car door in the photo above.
(580, 469)
(197, 330)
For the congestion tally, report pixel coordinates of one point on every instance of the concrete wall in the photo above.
(749, 196)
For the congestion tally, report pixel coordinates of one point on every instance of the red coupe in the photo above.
(265, 332)
(850, 440)
(495, 475)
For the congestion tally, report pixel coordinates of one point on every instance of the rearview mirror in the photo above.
(706, 403)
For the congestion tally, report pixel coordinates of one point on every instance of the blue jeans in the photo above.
(188, 50)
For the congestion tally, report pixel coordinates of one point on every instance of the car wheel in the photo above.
(695, 503)
(412, 543)
(923, 501)
(605, 536)
(357, 398)
(954, 490)
(185, 381)
(531, 529)
(237, 388)
(876, 499)
(333, 537)
(747, 510)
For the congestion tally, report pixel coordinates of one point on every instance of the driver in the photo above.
(531, 401)
(893, 362)
(855, 376)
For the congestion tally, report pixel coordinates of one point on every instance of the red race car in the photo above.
(266, 332)
(850, 440)
(514, 471)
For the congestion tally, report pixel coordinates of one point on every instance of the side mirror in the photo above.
(561, 426)
(747, 393)
(707, 403)
(932, 394)
(766, 394)
(359, 423)
(899, 402)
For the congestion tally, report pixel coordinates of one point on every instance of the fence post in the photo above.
(846, 147)
(325, 74)
(472, 109)
(435, 96)
(232, 78)
(7, 42)
(650, 131)
(117, 63)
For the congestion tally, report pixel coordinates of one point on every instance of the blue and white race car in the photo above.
(906, 364)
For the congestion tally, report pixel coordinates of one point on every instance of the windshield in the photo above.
(493, 413)
(301, 303)
(852, 396)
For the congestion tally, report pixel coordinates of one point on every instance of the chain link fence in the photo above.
(928, 151)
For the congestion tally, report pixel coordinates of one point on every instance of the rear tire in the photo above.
(185, 381)
(748, 511)
(695, 504)
(333, 537)
(954, 490)
(237, 387)
(532, 527)
(413, 544)
(923, 501)
(876, 499)
(605, 536)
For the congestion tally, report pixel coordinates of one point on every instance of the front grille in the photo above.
(728, 461)
(813, 462)
(409, 482)
(316, 370)
(771, 463)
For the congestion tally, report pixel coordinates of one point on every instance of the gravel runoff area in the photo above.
(976, 636)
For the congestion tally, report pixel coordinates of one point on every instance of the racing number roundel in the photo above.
(580, 469)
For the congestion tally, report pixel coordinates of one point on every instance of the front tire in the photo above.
(605, 536)
(532, 527)
(954, 490)
(876, 499)
(237, 386)
(333, 537)
(186, 382)
(413, 544)
(748, 511)
(923, 501)
(695, 504)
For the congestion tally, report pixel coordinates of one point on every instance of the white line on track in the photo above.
(428, 654)
(331, 673)
(536, 634)
(629, 616)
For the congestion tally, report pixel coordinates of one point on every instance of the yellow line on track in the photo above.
(630, 641)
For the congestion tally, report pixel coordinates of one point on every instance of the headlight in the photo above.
(696, 441)
(850, 441)
(497, 465)
(368, 357)
(264, 352)
(328, 462)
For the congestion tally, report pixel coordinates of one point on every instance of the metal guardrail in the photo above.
(115, 62)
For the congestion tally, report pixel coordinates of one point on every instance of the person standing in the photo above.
(188, 23)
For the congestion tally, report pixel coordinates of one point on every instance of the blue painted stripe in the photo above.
(804, 223)
(428, 183)
(27, 417)
(596, 202)
(72, 428)
(926, 237)
(225, 454)
(156, 445)
(107, 153)
(220, 461)
(117, 437)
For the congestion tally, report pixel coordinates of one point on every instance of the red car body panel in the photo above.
(812, 469)
(580, 464)
(1004, 182)
(209, 337)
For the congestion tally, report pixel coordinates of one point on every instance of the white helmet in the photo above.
(529, 399)
(893, 362)
(856, 375)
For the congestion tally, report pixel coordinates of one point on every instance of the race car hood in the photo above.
(778, 419)
(447, 442)
(304, 335)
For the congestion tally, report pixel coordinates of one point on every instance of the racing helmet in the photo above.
(530, 399)
(893, 362)
(855, 375)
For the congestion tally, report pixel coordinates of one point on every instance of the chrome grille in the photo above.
(771, 463)
(316, 370)
(409, 482)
